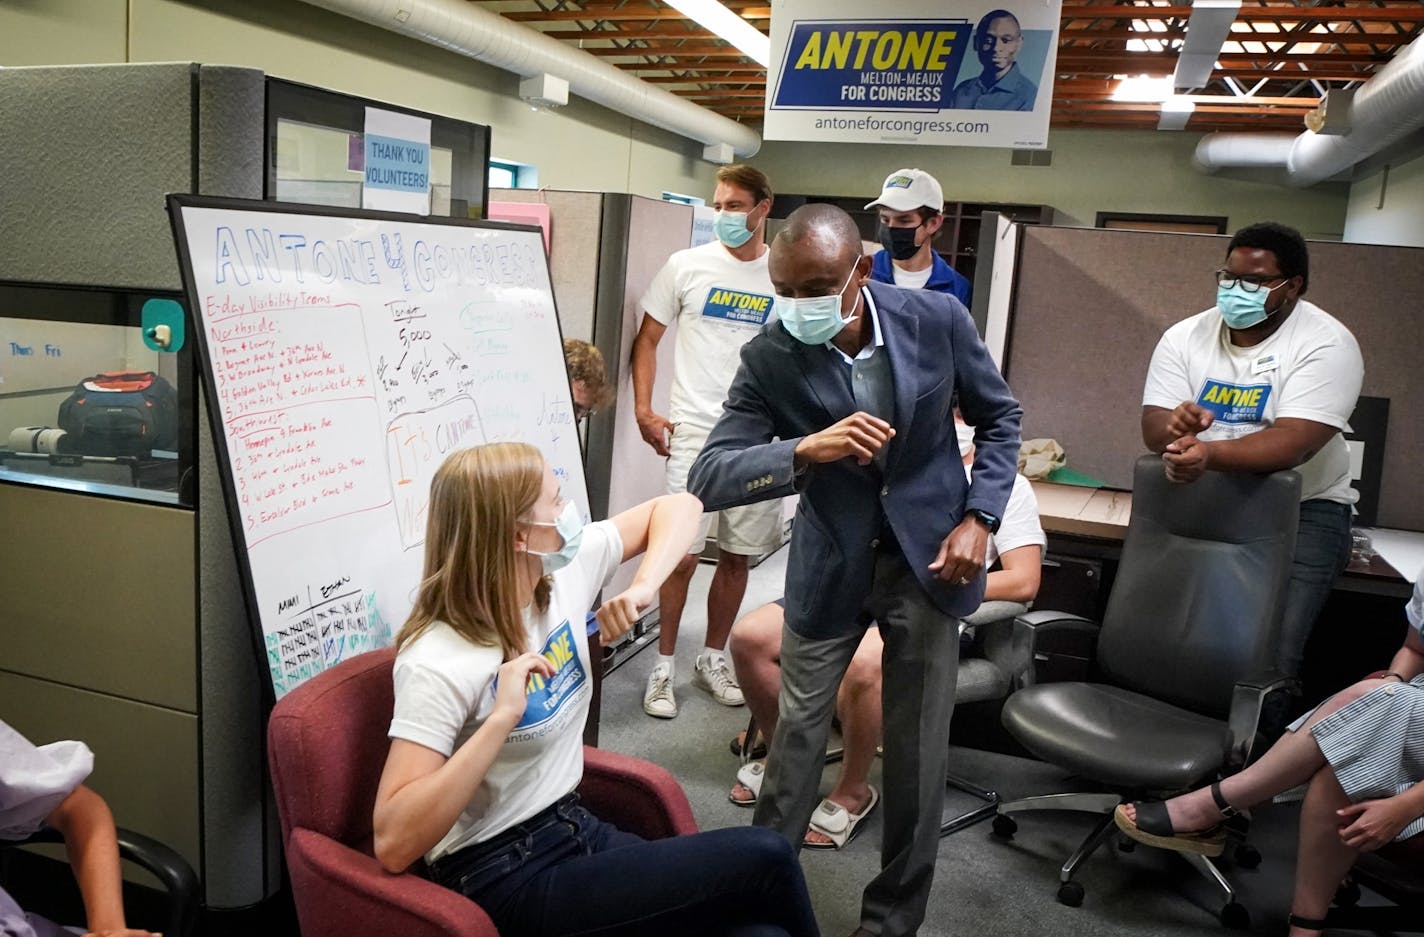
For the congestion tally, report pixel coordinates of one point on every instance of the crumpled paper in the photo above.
(1039, 457)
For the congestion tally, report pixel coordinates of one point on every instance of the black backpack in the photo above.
(121, 413)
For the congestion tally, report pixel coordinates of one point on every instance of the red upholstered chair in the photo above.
(326, 745)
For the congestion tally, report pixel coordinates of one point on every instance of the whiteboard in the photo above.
(346, 354)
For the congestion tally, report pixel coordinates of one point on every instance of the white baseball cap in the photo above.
(908, 189)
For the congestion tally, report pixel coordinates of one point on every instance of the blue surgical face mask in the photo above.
(731, 228)
(1241, 309)
(569, 524)
(815, 320)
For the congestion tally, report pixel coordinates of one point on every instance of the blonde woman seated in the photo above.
(492, 688)
(756, 650)
(1362, 752)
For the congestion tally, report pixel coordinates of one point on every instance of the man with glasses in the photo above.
(848, 402)
(1265, 381)
(587, 378)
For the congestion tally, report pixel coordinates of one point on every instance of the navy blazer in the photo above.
(786, 390)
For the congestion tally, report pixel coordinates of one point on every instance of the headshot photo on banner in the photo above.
(940, 72)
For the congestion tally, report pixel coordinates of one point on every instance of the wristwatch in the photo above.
(985, 518)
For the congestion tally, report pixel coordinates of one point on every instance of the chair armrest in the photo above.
(1248, 703)
(1043, 646)
(635, 795)
(165, 864)
(340, 891)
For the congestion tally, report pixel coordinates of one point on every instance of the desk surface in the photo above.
(1104, 513)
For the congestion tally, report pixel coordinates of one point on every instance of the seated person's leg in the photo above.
(858, 704)
(755, 646)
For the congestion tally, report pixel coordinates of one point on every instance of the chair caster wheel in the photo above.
(1349, 894)
(1005, 827)
(1235, 916)
(1248, 856)
(1071, 894)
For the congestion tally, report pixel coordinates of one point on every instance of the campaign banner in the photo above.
(937, 72)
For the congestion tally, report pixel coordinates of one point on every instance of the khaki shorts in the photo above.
(751, 530)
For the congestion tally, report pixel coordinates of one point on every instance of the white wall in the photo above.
(1092, 171)
(1387, 205)
(582, 146)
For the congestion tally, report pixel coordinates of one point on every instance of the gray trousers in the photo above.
(919, 667)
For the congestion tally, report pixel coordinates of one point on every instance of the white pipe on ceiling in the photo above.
(1386, 109)
(471, 31)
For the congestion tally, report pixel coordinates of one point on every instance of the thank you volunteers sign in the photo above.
(943, 72)
(397, 162)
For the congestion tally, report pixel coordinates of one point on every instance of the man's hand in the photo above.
(618, 615)
(858, 436)
(1188, 419)
(1370, 824)
(1186, 459)
(656, 430)
(961, 555)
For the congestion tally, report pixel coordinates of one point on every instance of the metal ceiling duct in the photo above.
(467, 29)
(1386, 109)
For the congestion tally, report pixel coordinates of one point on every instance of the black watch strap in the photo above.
(985, 518)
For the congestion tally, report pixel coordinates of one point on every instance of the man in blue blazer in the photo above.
(847, 400)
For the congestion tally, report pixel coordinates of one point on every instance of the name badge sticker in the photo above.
(1264, 364)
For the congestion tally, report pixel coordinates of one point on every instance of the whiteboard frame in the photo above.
(176, 204)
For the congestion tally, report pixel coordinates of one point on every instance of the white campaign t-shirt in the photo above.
(445, 688)
(719, 303)
(1309, 369)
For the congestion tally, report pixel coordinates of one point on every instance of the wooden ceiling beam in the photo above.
(704, 80)
(626, 13)
(728, 67)
(666, 51)
(669, 32)
(1406, 13)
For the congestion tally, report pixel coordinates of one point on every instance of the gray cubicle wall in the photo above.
(1089, 306)
(148, 655)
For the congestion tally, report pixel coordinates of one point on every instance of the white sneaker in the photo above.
(658, 699)
(717, 679)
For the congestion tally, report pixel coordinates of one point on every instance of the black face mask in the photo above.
(900, 242)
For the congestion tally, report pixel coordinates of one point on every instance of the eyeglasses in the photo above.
(581, 412)
(1249, 282)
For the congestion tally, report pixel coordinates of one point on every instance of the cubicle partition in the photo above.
(1089, 306)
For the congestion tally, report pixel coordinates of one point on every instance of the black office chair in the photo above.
(1183, 661)
(173, 872)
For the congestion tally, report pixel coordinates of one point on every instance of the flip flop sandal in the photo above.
(1154, 827)
(838, 824)
(758, 750)
(1307, 923)
(749, 776)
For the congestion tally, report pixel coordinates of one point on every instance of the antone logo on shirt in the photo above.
(545, 696)
(1235, 403)
(736, 306)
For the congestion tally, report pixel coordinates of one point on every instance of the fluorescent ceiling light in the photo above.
(1143, 89)
(1176, 111)
(714, 17)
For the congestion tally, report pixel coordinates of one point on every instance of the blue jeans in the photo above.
(1322, 549)
(566, 872)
